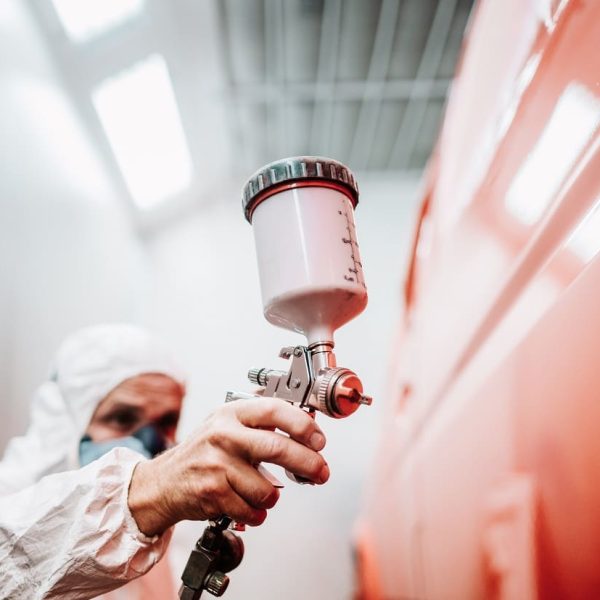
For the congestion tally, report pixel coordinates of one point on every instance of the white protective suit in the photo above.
(68, 533)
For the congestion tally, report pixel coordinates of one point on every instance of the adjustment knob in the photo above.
(261, 376)
(254, 376)
(217, 583)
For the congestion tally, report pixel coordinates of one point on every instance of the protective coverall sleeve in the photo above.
(72, 536)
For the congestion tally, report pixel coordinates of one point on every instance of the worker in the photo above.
(77, 533)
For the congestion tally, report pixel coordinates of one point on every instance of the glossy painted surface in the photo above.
(487, 482)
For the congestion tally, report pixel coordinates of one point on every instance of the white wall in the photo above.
(205, 299)
(67, 254)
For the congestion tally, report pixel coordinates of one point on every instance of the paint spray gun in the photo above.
(302, 213)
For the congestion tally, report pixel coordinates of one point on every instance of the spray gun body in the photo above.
(302, 213)
(313, 382)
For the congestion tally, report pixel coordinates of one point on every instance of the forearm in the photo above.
(71, 536)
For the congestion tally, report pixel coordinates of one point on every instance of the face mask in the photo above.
(147, 441)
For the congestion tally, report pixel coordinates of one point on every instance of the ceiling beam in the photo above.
(271, 73)
(324, 90)
(343, 91)
(414, 114)
(282, 106)
(364, 134)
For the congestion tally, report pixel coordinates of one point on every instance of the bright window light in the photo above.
(85, 19)
(570, 127)
(139, 114)
(585, 240)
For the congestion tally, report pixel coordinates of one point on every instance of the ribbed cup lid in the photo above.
(295, 169)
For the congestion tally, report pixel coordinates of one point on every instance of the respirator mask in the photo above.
(147, 441)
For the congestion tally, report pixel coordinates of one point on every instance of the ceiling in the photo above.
(363, 81)
(255, 80)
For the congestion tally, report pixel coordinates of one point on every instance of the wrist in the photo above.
(144, 499)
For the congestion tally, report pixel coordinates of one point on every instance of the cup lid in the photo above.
(297, 169)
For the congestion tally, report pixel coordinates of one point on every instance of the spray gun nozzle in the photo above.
(353, 395)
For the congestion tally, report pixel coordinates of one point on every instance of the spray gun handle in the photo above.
(269, 476)
(215, 553)
(297, 479)
(261, 377)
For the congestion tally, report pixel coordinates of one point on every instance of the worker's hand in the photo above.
(212, 473)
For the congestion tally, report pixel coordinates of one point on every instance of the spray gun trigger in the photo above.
(269, 476)
(297, 479)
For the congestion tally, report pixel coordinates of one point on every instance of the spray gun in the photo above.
(302, 213)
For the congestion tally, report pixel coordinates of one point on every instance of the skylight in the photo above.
(139, 114)
(86, 19)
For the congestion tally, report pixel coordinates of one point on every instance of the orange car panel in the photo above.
(486, 482)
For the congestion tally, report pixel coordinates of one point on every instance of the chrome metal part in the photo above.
(313, 381)
(217, 583)
(297, 171)
(294, 385)
(233, 396)
(254, 375)
(261, 376)
(322, 356)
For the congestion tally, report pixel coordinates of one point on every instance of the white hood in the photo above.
(88, 365)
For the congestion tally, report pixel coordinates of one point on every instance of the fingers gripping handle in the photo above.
(232, 397)
(274, 481)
